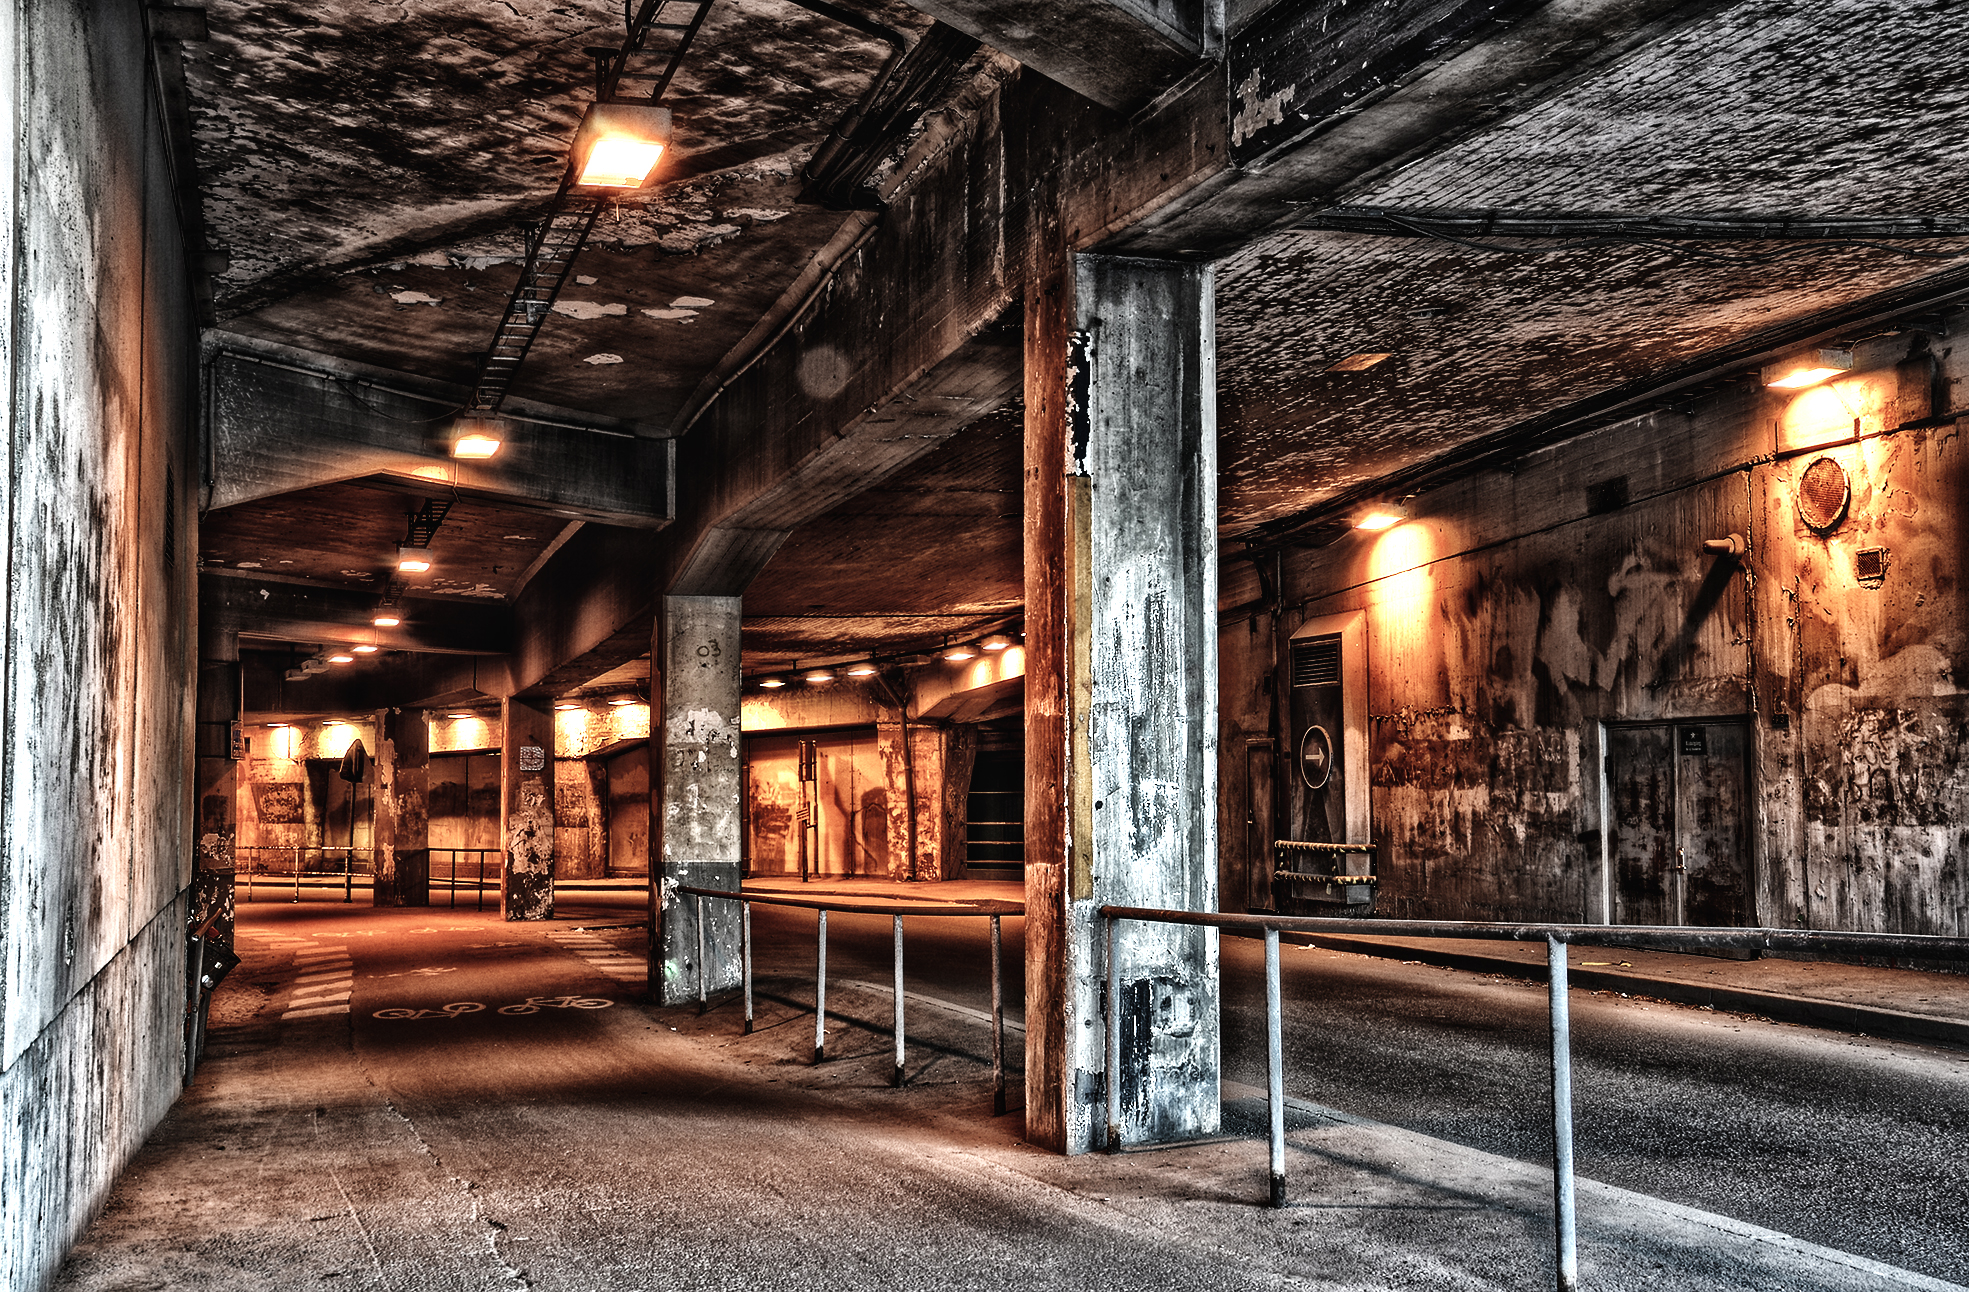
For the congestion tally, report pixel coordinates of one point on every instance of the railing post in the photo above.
(700, 956)
(997, 1028)
(1564, 1224)
(745, 957)
(895, 1078)
(297, 873)
(1114, 1040)
(820, 993)
(454, 879)
(1275, 1065)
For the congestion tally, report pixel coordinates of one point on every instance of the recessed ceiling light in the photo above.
(1358, 362)
(960, 653)
(365, 649)
(772, 683)
(860, 670)
(621, 700)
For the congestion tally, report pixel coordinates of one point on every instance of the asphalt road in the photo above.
(1852, 1143)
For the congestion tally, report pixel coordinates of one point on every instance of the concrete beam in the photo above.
(275, 427)
(249, 601)
(1077, 42)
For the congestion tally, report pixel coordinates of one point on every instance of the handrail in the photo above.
(1649, 937)
(1556, 938)
(994, 910)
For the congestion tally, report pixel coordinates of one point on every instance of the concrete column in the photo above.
(927, 780)
(526, 811)
(217, 705)
(1121, 709)
(694, 792)
(403, 824)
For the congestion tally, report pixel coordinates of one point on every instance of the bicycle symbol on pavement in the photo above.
(452, 1010)
(534, 1004)
(531, 1005)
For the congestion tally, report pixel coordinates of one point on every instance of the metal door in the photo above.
(1316, 797)
(1677, 841)
(1258, 818)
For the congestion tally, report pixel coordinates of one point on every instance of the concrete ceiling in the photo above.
(370, 168)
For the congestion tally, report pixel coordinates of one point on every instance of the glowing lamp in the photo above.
(772, 683)
(621, 700)
(996, 642)
(958, 654)
(276, 724)
(477, 438)
(386, 619)
(861, 670)
(1379, 518)
(411, 559)
(461, 715)
(1808, 370)
(565, 705)
(341, 657)
(365, 650)
(820, 675)
(619, 144)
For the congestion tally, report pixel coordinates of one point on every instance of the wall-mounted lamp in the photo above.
(958, 654)
(565, 705)
(341, 657)
(1808, 369)
(621, 700)
(461, 715)
(1375, 519)
(386, 619)
(413, 560)
(477, 438)
(619, 144)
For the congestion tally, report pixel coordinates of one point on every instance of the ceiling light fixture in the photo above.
(1379, 518)
(621, 700)
(996, 642)
(1358, 362)
(1808, 370)
(461, 715)
(341, 657)
(477, 438)
(820, 675)
(412, 559)
(565, 705)
(772, 683)
(386, 619)
(365, 649)
(297, 675)
(619, 144)
(860, 670)
(958, 654)
(315, 665)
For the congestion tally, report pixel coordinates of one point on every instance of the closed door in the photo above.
(1676, 823)
(1258, 827)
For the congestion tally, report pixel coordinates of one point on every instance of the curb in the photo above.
(1868, 1020)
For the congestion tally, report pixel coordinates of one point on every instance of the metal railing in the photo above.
(995, 911)
(477, 878)
(311, 862)
(1556, 938)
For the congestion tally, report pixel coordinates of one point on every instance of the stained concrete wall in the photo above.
(98, 639)
(1519, 616)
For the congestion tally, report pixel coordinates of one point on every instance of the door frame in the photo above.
(1753, 859)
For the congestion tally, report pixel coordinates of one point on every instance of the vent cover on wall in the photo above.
(1316, 663)
(1823, 494)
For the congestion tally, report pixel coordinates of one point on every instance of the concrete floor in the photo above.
(496, 1110)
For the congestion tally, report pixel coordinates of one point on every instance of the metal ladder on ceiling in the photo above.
(559, 237)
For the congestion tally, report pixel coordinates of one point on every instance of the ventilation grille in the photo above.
(1316, 663)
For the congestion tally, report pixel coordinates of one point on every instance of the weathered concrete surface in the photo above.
(526, 810)
(1138, 642)
(1074, 43)
(1518, 612)
(97, 642)
(402, 809)
(272, 430)
(694, 795)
